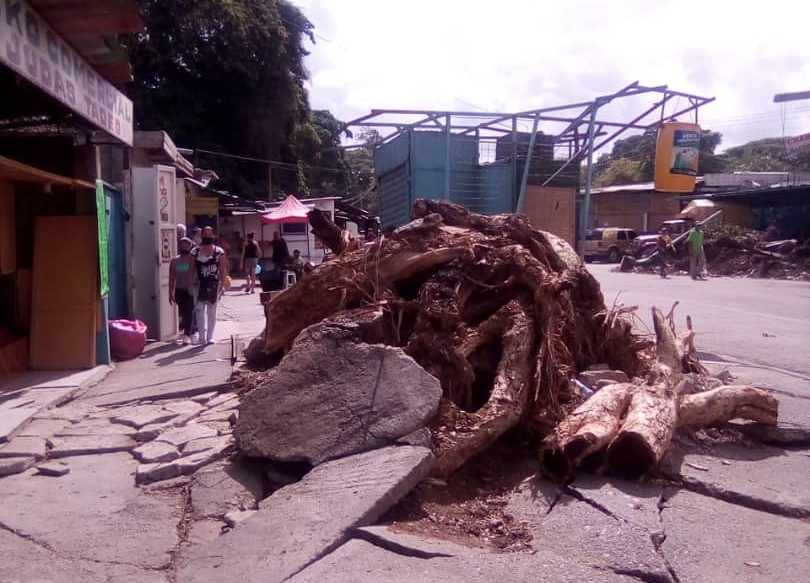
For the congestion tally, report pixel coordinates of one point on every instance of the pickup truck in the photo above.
(643, 245)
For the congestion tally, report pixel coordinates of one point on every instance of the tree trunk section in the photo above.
(726, 403)
(588, 429)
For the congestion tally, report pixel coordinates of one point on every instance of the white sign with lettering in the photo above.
(30, 47)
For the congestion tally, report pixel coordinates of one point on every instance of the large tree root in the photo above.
(504, 316)
(634, 422)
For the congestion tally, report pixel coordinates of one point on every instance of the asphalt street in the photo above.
(758, 328)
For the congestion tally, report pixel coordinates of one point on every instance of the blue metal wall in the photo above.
(414, 165)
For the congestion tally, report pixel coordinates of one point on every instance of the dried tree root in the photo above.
(726, 403)
(507, 402)
(588, 429)
(652, 414)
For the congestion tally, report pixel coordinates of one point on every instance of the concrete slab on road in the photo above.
(165, 370)
(744, 320)
(26, 394)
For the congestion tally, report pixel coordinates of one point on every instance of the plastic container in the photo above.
(127, 338)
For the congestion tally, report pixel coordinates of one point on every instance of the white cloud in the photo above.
(513, 55)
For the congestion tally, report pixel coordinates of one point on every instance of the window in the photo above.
(621, 235)
(293, 228)
(594, 235)
(632, 234)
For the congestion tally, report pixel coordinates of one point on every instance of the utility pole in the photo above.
(269, 182)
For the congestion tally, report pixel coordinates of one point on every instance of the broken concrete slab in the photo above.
(204, 397)
(155, 451)
(182, 466)
(757, 476)
(709, 540)
(222, 488)
(140, 415)
(90, 445)
(330, 397)
(96, 427)
(226, 416)
(17, 411)
(44, 428)
(410, 544)
(179, 436)
(93, 513)
(561, 522)
(35, 563)
(203, 444)
(185, 407)
(53, 469)
(359, 561)
(35, 447)
(147, 378)
(634, 502)
(15, 465)
(300, 523)
(228, 400)
(419, 437)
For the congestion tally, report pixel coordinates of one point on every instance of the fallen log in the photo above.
(725, 403)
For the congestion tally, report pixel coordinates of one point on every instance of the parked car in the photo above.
(608, 243)
(645, 244)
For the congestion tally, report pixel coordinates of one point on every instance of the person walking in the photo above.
(250, 259)
(697, 256)
(211, 270)
(663, 246)
(181, 287)
(281, 253)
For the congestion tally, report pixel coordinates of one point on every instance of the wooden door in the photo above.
(65, 293)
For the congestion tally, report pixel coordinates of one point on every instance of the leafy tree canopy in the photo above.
(227, 75)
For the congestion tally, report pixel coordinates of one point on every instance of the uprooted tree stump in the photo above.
(503, 315)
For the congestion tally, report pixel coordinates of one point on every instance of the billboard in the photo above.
(677, 154)
(33, 50)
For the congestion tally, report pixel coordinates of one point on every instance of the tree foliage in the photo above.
(766, 155)
(363, 182)
(226, 75)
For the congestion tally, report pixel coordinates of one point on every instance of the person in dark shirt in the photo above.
(250, 259)
(281, 254)
(212, 269)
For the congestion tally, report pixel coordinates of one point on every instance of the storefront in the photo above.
(62, 242)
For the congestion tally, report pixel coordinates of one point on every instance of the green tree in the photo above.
(363, 183)
(621, 171)
(225, 75)
(322, 155)
(766, 155)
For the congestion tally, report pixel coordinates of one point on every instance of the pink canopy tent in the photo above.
(291, 210)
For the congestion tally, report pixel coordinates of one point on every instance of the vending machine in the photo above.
(154, 244)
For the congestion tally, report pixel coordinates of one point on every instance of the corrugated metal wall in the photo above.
(414, 165)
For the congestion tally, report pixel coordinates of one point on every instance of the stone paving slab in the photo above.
(573, 528)
(711, 541)
(165, 371)
(94, 513)
(300, 523)
(90, 445)
(222, 488)
(764, 477)
(35, 447)
(34, 563)
(17, 411)
(410, 544)
(15, 465)
(361, 562)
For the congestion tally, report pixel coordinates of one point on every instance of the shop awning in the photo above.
(19, 172)
(291, 210)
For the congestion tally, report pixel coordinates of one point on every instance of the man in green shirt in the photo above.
(697, 258)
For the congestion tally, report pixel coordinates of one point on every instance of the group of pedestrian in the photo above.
(196, 283)
(697, 255)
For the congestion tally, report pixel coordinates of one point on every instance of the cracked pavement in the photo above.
(727, 506)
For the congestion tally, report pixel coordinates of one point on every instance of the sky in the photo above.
(511, 55)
